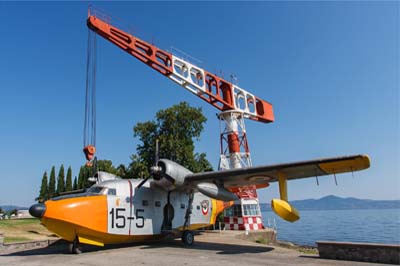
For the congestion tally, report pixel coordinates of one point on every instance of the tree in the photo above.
(44, 190)
(105, 166)
(61, 180)
(52, 183)
(75, 186)
(85, 172)
(122, 171)
(81, 178)
(176, 128)
(68, 182)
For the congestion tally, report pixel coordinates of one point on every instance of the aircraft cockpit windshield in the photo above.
(99, 190)
(96, 190)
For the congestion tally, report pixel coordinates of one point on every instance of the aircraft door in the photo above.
(120, 208)
(168, 214)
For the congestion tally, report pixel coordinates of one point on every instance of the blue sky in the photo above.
(330, 69)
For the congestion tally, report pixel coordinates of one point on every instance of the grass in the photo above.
(18, 230)
(262, 240)
(15, 239)
(310, 251)
(18, 222)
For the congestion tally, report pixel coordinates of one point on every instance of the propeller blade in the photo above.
(157, 154)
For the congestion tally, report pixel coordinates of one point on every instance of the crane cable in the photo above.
(89, 128)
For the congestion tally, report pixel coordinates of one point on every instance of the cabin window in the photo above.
(145, 203)
(198, 207)
(182, 205)
(158, 203)
(112, 191)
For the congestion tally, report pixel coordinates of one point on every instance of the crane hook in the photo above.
(89, 152)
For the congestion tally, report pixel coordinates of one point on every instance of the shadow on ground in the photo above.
(61, 247)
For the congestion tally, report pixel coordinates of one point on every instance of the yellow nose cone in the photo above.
(284, 210)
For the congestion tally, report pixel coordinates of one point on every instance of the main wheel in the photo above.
(75, 247)
(188, 238)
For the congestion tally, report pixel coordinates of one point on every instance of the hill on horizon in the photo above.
(332, 202)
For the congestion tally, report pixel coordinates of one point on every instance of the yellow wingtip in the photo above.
(357, 163)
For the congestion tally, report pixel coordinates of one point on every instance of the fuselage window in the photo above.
(112, 191)
(158, 204)
(182, 205)
(145, 203)
(198, 207)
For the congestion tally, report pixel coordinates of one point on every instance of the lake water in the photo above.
(373, 226)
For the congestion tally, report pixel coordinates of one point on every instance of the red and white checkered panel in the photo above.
(243, 223)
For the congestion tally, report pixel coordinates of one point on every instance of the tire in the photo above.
(75, 247)
(188, 238)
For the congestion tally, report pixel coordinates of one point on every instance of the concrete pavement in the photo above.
(209, 249)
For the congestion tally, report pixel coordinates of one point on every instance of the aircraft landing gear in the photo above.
(75, 247)
(188, 238)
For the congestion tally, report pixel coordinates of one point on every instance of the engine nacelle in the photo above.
(284, 210)
(216, 192)
(172, 175)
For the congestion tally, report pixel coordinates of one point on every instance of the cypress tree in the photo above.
(44, 191)
(68, 182)
(75, 186)
(61, 180)
(81, 179)
(52, 183)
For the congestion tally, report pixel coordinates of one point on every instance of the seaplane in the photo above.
(174, 201)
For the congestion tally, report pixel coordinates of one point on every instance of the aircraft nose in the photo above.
(37, 210)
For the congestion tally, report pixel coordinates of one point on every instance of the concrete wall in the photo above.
(381, 253)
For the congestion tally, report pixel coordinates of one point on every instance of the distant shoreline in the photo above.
(334, 209)
(337, 203)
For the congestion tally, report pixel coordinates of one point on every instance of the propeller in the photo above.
(155, 170)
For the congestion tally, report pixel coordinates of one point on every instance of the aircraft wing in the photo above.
(265, 174)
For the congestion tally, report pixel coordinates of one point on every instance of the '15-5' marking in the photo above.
(118, 220)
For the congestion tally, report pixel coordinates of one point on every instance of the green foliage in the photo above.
(44, 190)
(68, 182)
(61, 181)
(106, 166)
(75, 186)
(52, 183)
(122, 171)
(82, 178)
(85, 172)
(15, 239)
(176, 128)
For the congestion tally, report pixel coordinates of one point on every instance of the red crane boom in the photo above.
(213, 89)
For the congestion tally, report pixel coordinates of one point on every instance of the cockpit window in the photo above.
(96, 190)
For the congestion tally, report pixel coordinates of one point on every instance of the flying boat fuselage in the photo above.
(116, 211)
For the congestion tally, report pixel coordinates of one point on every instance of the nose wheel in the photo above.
(75, 247)
(188, 238)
